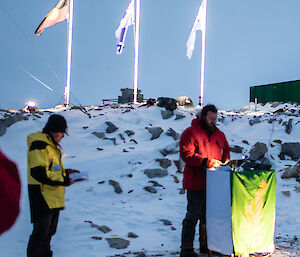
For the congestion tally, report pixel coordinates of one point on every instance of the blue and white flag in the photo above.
(199, 24)
(121, 31)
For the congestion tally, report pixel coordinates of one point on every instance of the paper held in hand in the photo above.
(83, 175)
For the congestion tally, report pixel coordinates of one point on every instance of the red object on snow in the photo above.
(10, 192)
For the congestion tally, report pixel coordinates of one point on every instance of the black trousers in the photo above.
(196, 211)
(43, 229)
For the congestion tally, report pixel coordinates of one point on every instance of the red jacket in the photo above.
(10, 190)
(195, 146)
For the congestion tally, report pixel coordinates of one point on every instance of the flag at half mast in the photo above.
(121, 31)
(58, 14)
(199, 24)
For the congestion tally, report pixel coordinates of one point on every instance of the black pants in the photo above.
(43, 229)
(196, 209)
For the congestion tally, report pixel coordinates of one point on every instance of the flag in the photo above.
(121, 31)
(199, 24)
(58, 14)
(253, 211)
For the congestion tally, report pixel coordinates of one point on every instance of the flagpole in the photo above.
(70, 30)
(203, 56)
(136, 51)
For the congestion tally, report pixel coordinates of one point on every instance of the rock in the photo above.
(278, 141)
(291, 172)
(236, 149)
(168, 103)
(103, 228)
(172, 133)
(111, 127)
(179, 165)
(185, 101)
(118, 243)
(291, 149)
(155, 173)
(155, 183)
(111, 139)
(164, 163)
(286, 193)
(170, 149)
(166, 114)
(166, 222)
(122, 137)
(257, 151)
(150, 189)
(179, 116)
(288, 126)
(97, 237)
(116, 186)
(297, 189)
(132, 235)
(255, 120)
(129, 132)
(151, 102)
(141, 255)
(245, 142)
(99, 134)
(176, 180)
(155, 132)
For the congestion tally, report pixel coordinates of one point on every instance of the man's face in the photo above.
(211, 119)
(57, 136)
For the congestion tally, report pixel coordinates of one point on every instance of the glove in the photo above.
(213, 163)
(69, 171)
(225, 162)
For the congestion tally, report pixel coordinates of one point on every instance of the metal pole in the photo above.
(70, 29)
(203, 56)
(136, 51)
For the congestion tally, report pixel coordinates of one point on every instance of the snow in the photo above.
(138, 211)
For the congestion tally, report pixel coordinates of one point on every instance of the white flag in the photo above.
(121, 31)
(199, 24)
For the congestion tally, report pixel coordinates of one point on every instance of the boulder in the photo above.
(110, 127)
(155, 132)
(172, 133)
(170, 149)
(155, 173)
(116, 186)
(118, 243)
(257, 151)
(291, 149)
(185, 101)
(164, 162)
(166, 114)
(168, 103)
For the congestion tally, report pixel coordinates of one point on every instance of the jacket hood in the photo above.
(39, 136)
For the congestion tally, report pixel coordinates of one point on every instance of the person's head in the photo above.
(56, 126)
(208, 115)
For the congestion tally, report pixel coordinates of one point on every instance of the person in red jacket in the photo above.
(10, 192)
(202, 146)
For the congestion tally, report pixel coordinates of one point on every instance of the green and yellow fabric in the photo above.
(46, 175)
(253, 211)
(240, 211)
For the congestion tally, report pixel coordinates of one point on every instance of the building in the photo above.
(278, 92)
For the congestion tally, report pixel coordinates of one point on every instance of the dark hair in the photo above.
(56, 123)
(206, 109)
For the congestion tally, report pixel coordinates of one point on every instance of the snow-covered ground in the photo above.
(136, 210)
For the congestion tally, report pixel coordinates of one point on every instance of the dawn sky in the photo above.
(247, 43)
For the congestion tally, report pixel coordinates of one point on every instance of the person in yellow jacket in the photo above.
(47, 179)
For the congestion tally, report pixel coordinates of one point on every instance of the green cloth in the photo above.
(253, 211)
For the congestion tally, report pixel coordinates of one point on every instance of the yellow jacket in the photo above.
(46, 175)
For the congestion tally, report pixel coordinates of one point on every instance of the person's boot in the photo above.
(203, 239)
(188, 253)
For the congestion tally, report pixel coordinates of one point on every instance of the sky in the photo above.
(135, 210)
(249, 42)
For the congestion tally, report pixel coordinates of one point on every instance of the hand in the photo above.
(213, 163)
(72, 171)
